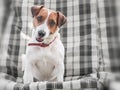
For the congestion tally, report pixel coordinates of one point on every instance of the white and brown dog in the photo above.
(44, 58)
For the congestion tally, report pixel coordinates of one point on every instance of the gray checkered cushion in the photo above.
(109, 35)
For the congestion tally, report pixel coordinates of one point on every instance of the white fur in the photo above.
(44, 63)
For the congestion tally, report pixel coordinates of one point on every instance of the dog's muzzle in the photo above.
(41, 34)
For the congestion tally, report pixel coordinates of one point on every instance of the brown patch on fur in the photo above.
(36, 9)
(61, 19)
(38, 20)
(52, 22)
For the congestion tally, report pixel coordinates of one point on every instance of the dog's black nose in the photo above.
(41, 33)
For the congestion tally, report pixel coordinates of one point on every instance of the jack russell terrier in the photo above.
(44, 58)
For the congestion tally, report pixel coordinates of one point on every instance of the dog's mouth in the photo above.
(39, 39)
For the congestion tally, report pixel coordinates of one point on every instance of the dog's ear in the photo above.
(35, 10)
(61, 19)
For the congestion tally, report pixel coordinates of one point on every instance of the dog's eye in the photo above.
(39, 18)
(52, 22)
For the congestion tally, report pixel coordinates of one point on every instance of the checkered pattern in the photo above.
(82, 84)
(109, 34)
(90, 38)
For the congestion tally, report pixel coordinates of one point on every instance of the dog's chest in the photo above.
(43, 55)
(43, 60)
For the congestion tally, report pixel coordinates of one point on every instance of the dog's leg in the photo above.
(27, 77)
(58, 72)
(23, 62)
(61, 73)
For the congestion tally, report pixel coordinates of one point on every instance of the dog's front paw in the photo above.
(27, 78)
(23, 62)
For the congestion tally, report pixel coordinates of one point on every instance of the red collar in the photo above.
(41, 44)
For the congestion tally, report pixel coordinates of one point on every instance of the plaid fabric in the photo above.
(87, 83)
(87, 36)
(109, 35)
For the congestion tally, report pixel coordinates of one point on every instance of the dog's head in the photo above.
(46, 22)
